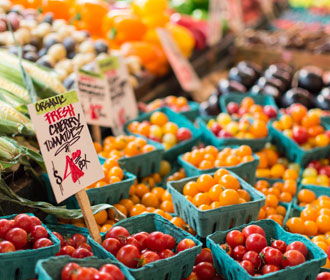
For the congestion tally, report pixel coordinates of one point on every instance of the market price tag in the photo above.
(120, 92)
(216, 14)
(182, 68)
(236, 15)
(65, 143)
(94, 97)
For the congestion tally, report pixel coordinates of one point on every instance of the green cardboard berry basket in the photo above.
(144, 164)
(50, 269)
(293, 151)
(222, 218)
(246, 170)
(172, 153)
(66, 230)
(19, 265)
(210, 139)
(173, 268)
(237, 98)
(232, 270)
(108, 194)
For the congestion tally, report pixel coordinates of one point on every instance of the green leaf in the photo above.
(112, 33)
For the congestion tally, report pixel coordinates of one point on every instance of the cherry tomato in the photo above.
(42, 242)
(18, 237)
(248, 266)
(141, 238)
(79, 239)
(83, 273)
(130, 241)
(149, 257)
(85, 246)
(255, 242)
(292, 258)
(323, 276)
(59, 237)
(102, 276)
(66, 250)
(113, 270)
(227, 248)
(299, 246)
(112, 245)
(70, 242)
(69, 270)
(39, 232)
(6, 247)
(35, 221)
(264, 251)
(248, 230)
(117, 232)
(5, 226)
(204, 256)
(204, 270)
(269, 268)
(238, 252)
(156, 241)
(273, 256)
(81, 253)
(170, 241)
(166, 254)
(129, 255)
(23, 221)
(192, 276)
(280, 245)
(185, 244)
(235, 238)
(253, 257)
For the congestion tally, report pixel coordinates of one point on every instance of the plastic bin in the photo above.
(222, 218)
(231, 269)
(174, 268)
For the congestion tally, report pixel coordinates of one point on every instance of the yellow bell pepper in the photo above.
(145, 8)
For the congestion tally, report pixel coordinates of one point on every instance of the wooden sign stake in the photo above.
(96, 132)
(86, 209)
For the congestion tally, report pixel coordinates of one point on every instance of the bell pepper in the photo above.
(145, 8)
(183, 37)
(59, 8)
(151, 56)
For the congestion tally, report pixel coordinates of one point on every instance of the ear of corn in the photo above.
(14, 88)
(46, 84)
(10, 98)
(8, 151)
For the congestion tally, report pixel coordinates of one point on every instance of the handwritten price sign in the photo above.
(66, 145)
(123, 102)
(94, 97)
(183, 70)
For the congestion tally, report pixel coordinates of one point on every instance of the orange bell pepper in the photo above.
(152, 57)
(60, 8)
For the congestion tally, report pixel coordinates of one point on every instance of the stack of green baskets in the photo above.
(232, 270)
(50, 269)
(173, 268)
(19, 265)
(172, 153)
(246, 170)
(222, 218)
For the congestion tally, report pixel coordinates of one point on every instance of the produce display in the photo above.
(316, 173)
(177, 104)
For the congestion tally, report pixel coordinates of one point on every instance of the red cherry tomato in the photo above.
(85, 246)
(5, 226)
(35, 221)
(273, 256)
(69, 270)
(156, 241)
(81, 253)
(166, 254)
(39, 232)
(185, 244)
(23, 221)
(299, 246)
(248, 266)
(255, 242)
(113, 270)
(170, 241)
(253, 257)
(102, 276)
(323, 276)
(112, 245)
(205, 270)
(248, 230)
(235, 238)
(204, 256)
(238, 252)
(6, 247)
(59, 237)
(18, 237)
(280, 245)
(83, 273)
(117, 232)
(79, 239)
(292, 258)
(69, 241)
(269, 268)
(141, 238)
(42, 242)
(148, 257)
(130, 241)
(129, 255)
(66, 250)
